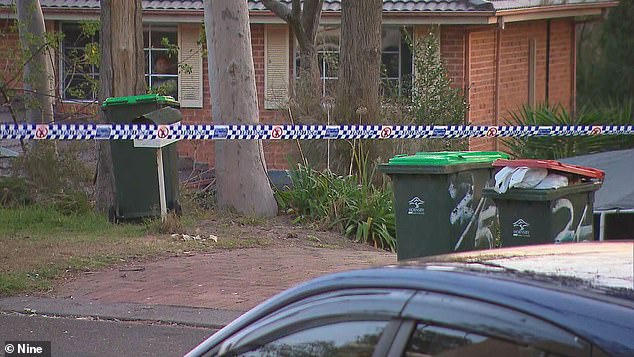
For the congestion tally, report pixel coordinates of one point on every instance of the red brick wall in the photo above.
(514, 63)
(9, 48)
(452, 51)
(561, 62)
(514, 60)
(481, 83)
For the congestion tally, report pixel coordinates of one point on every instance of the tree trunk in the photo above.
(308, 87)
(242, 183)
(309, 84)
(121, 74)
(359, 61)
(38, 69)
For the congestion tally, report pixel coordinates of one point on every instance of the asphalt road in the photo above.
(78, 337)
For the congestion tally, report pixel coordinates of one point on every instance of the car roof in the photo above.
(603, 266)
(578, 304)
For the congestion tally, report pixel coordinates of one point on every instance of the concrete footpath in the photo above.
(181, 315)
(88, 337)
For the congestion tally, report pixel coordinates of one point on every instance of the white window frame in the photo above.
(150, 50)
(323, 51)
(148, 75)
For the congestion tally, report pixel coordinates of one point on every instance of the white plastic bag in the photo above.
(531, 178)
(552, 181)
(502, 179)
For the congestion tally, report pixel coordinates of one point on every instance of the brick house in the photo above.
(502, 53)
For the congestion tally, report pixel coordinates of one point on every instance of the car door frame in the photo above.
(487, 319)
(358, 304)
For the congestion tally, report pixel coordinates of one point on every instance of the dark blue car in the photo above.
(557, 300)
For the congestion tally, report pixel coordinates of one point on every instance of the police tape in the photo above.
(286, 132)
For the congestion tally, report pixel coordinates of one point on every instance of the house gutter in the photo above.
(552, 12)
(553, 8)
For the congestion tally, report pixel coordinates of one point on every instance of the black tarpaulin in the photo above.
(617, 191)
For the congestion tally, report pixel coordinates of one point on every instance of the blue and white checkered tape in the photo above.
(292, 132)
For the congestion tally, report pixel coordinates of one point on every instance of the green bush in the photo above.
(15, 192)
(349, 204)
(550, 147)
(434, 100)
(74, 202)
(56, 177)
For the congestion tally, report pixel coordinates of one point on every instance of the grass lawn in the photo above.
(39, 245)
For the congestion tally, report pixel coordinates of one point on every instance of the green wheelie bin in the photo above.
(549, 215)
(135, 168)
(438, 202)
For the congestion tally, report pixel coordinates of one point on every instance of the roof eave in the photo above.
(555, 11)
(334, 17)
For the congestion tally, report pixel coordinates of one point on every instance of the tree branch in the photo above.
(291, 17)
(297, 8)
(7, 99)
(278, 9)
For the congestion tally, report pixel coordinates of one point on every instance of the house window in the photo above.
(328, 59)
(79, 61)
(161, 59)
(396, 59)
(327, 42)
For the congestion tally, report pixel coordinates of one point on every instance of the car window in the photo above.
(496, 322)
(440, 341)
(356, 339)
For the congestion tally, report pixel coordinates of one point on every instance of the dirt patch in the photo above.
(275, 232)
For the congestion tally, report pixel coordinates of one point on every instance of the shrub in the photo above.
(434, 100)
(349, 204)
(199, 199)
(171, 225)
(559, 147)
(15, 192)
(74, 202)
(56, 176)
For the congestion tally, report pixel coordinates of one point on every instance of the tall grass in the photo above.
(350, 204)
(37, 221)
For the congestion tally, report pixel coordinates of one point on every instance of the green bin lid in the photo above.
(140, 99)
(445, 162)
(446, 158)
